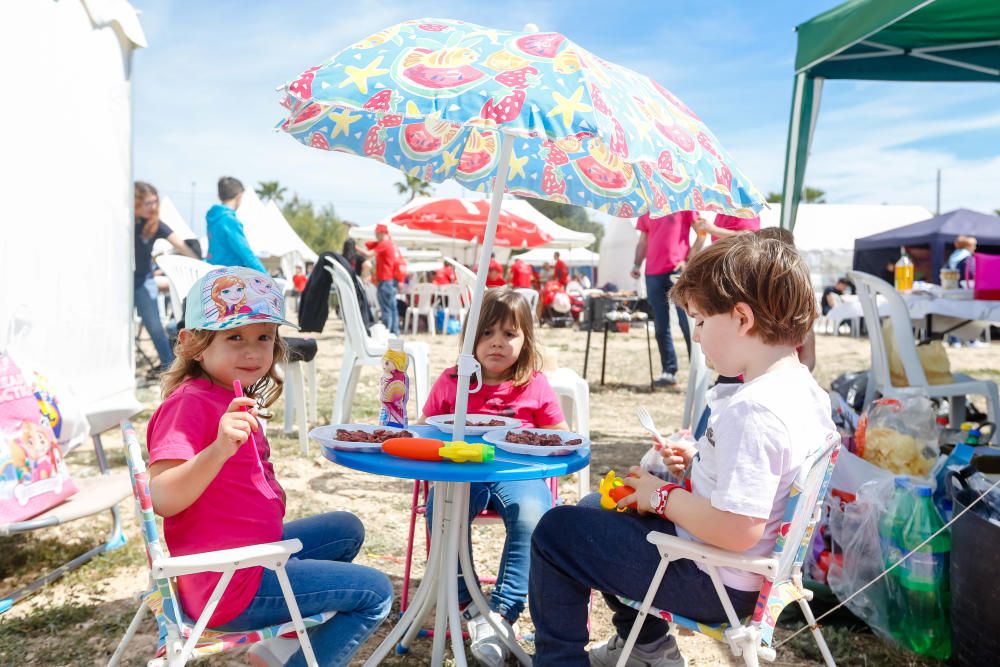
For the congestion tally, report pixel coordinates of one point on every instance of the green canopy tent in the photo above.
(884, 40)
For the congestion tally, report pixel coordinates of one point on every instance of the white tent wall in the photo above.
(66, 258)
(617, 254)
(825, 233)
(270, 236)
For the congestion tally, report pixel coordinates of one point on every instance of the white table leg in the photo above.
(415, 614)
(478, 599)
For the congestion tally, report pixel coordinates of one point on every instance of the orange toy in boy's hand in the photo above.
(612, 489)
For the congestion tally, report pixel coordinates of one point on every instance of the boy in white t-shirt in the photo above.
(752, 302)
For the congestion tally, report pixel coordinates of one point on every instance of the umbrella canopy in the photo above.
(530, 112)
(466, 220)
(884, 40)
(428, 96)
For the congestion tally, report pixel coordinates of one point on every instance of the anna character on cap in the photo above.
(213, 483)
(229, 294)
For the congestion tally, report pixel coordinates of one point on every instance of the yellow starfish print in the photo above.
(359, 76)
(343, 120)
(486, 32)
(517, 165)
(567, 106)
(640, 125)
(448, 160)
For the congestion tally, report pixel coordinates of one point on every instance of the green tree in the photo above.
(571, 217)
(416, 187)
(320, 229)
(996, 211)
(813, 195)
(271, 191)
(809, 196)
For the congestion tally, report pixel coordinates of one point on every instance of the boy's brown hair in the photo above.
(765, 273)
(503, 305)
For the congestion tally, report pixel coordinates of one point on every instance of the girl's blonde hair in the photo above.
(221, 284)
(266, 390)
(503, 305)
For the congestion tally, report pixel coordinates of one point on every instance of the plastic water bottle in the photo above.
(960, 457)
(394, 386)
(890, 531)
(924, 580)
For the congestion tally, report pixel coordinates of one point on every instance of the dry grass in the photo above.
(79, 620)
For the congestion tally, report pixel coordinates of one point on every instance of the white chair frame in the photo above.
(424, 300)
(360, 349)
(574, 398)
(182, 273)
(870, 291)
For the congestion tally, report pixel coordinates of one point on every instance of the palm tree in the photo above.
(417, 187)
(271, 191)
(813, 195)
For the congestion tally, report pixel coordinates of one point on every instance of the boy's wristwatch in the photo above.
(658, 499)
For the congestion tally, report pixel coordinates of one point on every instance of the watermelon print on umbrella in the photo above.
(428, 97)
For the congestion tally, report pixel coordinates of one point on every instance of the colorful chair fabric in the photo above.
(782, 571)
(179, 640)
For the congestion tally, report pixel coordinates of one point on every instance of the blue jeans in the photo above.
(149, 313)
(577, 548)
(520, 505)
(657, 287)
(324, 579)
(387, 304)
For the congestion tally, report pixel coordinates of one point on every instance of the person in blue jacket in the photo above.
(227, 242)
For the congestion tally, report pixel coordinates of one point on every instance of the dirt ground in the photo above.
(79, 619)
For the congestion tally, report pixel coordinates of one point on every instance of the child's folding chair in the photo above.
(179, 640)
(782, 570)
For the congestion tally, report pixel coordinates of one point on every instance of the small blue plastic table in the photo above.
(449, 535)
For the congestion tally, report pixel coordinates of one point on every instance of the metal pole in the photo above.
(937, 205)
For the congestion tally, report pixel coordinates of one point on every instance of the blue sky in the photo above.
(205, 103)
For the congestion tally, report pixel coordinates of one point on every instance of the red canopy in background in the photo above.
(466, 220)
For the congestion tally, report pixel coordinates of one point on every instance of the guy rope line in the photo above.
(887, 571)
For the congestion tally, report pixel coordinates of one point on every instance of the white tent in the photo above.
(171, 216)
(825, 233)
(574, 257)
(270, 236)
(617, 255)
(66, 255)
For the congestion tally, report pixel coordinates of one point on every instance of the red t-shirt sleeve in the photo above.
(549, 411)
(441, 400)
(181, 427)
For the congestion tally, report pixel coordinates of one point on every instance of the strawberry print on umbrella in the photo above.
(431, 96)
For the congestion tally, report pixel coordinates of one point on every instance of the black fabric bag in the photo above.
(852, 387)
(314, 303)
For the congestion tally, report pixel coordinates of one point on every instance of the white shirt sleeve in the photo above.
(751, 446)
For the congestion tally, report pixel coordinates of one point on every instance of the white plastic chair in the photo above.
(466, 278)
(300, 401)
(360, 349)
(179, 641)
(424, 298)
(871, 288)
(182, 272)
(532, 296)
(456, 302)
(782, 570)
(574, 398)
(699, 377)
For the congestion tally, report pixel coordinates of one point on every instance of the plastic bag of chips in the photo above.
(899, 435)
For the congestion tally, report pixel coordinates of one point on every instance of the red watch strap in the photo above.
(664, 492)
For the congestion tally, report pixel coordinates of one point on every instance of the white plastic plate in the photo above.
(499, 439)
(327, 436)
(441, 423)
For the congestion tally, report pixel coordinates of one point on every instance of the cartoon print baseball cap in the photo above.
(234, 296)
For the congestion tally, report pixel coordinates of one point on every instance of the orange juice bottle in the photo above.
(904, 272)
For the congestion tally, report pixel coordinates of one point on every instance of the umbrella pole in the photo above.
(467, 367)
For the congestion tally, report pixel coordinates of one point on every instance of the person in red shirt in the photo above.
(561, 270)
(299, 280)
(445, 275)
(521, 274)
(494, 276)
(385, 276)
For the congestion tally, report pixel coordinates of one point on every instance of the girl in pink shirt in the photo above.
(512, 387)
(212, 481)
